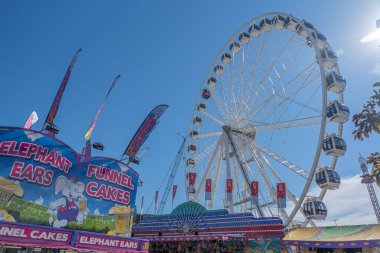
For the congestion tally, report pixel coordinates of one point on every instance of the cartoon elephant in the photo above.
(66, 206)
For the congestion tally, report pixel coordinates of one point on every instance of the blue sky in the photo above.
(162, 50)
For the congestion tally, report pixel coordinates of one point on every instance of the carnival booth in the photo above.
(338, 239)
(54, 198)
(190, 227)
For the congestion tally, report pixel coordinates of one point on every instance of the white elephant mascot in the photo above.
(66, 207)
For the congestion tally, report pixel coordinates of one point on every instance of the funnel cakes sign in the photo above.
(43, 181)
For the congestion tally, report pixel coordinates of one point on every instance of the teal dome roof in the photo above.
(189, 208)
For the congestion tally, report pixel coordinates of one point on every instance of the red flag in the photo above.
(281, 195)
(155, 201)
(254, 186)
(174, 192)
(208, 189)
(192, 177)
(49, 122)
(229, 188)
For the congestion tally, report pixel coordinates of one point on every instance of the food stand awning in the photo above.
(196, 238)
(356, 236)
(28, 235)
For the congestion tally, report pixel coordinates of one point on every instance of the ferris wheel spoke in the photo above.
(267, 181)
(207, 135)
(205, 152)
(299, 78)
(293, 167)
(295, 79)
(245, 83)
(259, 162)
(289, 123)
(273, 172)
(261, 82)
(207, 171)
(262, 45)
(256, 64)
(304, 84)
(222, 107)
(218, 121)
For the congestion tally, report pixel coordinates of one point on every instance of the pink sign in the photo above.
(33, 235)
(114, 243)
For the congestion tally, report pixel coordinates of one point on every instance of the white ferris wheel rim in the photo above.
(323, 121)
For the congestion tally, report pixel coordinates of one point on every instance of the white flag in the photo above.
(31, 120)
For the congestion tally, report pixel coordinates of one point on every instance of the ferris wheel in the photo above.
(270, 110)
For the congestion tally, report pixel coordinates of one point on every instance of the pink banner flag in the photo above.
(49, 122)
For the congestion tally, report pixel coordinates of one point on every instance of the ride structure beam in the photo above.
(228, 167)
(289, 123)
(291, 195)
(203, 181)
(303, 173)
(267, 181)
(173, 172)
(216, 179)
(227, 131)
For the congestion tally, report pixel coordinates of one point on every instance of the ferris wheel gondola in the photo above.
(338, 112)
(327, 178)
(314, 208)
(261, 105)
(334, 145)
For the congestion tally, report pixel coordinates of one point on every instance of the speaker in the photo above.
(159, 233)
(196, 233)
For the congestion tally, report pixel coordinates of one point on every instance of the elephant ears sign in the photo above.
(43, 181)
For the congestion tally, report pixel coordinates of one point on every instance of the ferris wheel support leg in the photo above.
(228, 167)
(291, 195)
(200, 187)
(267, 181)
(237, 155)
(216, 178)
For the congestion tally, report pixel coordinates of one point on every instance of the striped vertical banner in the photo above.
(208, 189)
(192, 177)
(254, 186)
(281, 195)
(229, 189)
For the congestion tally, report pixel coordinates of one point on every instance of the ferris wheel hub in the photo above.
(247, 133)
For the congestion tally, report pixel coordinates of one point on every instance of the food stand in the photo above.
(54, 198)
